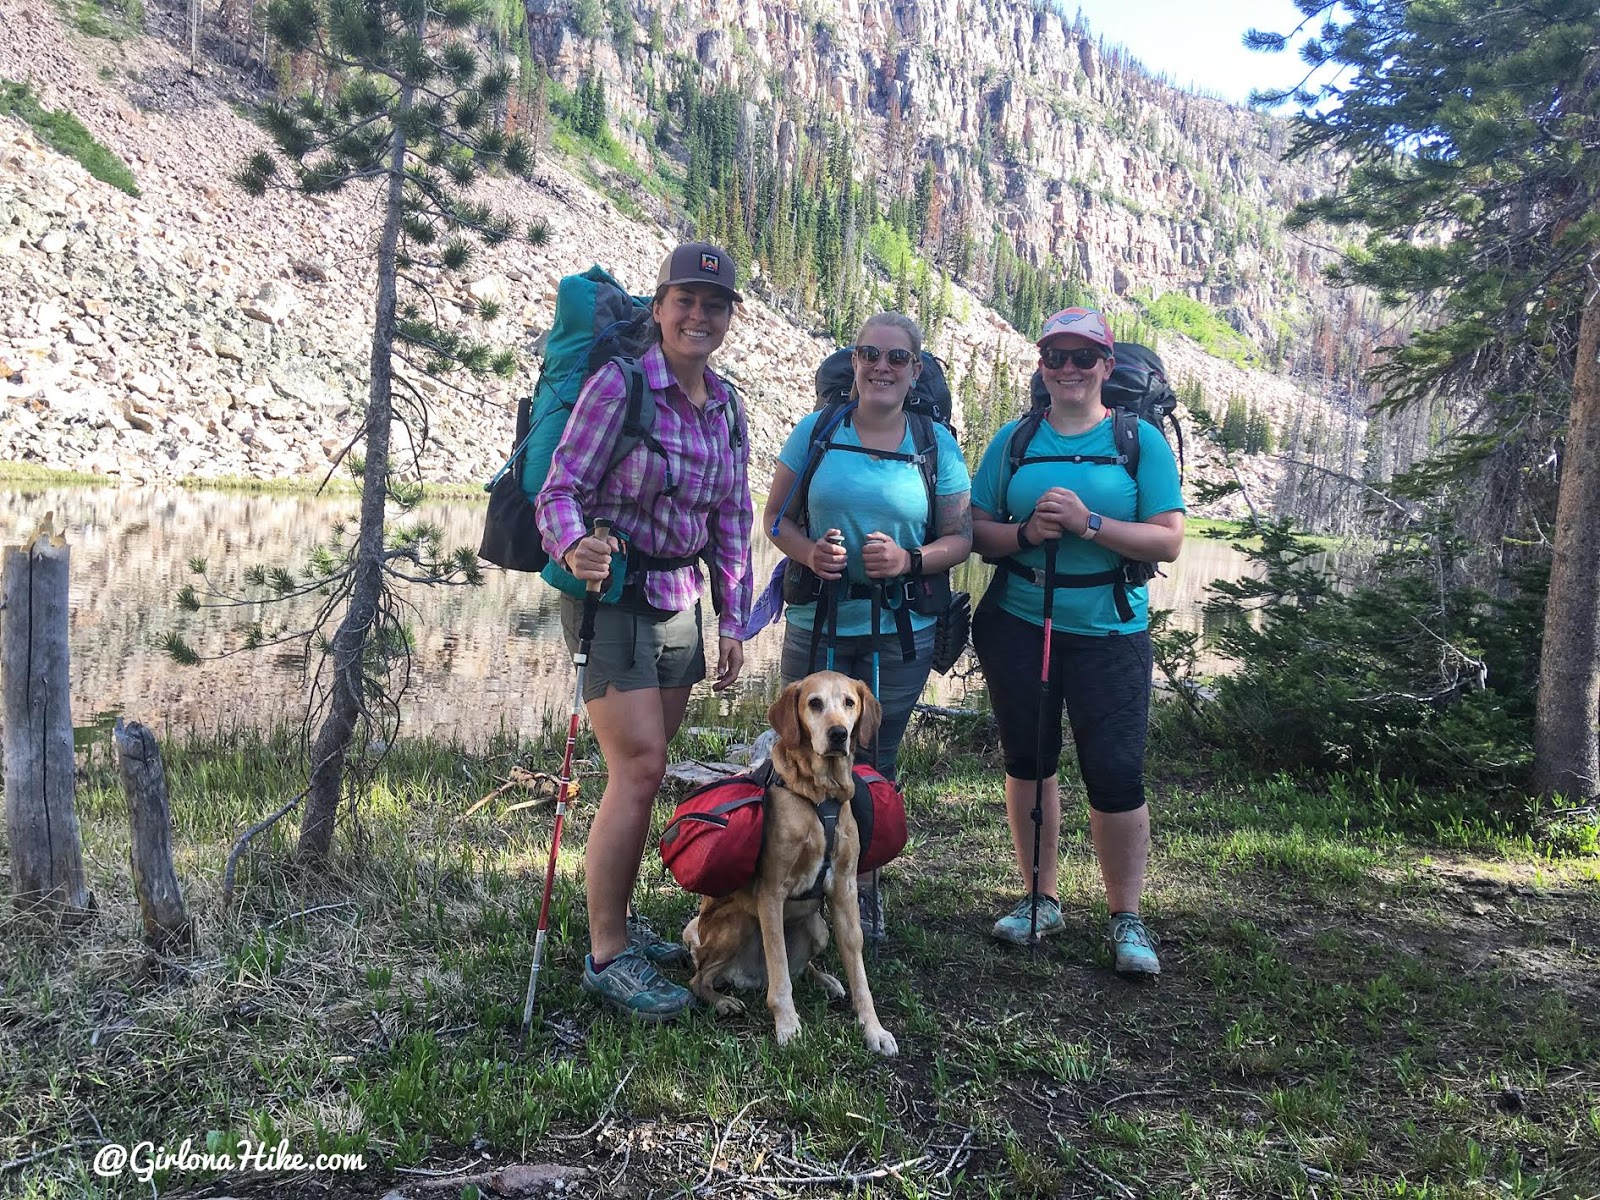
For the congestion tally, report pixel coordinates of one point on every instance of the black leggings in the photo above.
(1105, 685)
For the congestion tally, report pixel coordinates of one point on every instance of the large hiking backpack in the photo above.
(713, 841)
(1137, 390)
(596, 322)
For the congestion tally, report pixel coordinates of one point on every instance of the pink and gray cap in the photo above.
(1085, 322)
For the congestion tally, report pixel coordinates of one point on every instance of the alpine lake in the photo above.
(486, 660)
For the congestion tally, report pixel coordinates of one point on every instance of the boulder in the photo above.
(272, 303)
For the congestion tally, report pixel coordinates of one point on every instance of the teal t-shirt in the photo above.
(859, 493)
(1107, 489)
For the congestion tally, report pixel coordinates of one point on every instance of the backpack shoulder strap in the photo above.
(925, 441)
(1016, 447)
(829, 417)
(1125, 434)
(639, 417)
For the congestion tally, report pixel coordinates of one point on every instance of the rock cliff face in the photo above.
(1032, 125)
(192, 331)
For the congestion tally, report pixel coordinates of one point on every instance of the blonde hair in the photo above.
(895, 320)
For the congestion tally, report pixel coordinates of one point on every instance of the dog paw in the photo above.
(881, 1041)
(829, 984)
(729, 1006)
(788, 1028)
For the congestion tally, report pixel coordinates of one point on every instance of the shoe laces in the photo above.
(1130, 929)
(641, 934)
(637, 970)
(1024, 908)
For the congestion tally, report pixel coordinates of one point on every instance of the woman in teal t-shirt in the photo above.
(1098, 515)
(867, 522)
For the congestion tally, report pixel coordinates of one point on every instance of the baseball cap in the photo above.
(1085, 322)
(700, 262)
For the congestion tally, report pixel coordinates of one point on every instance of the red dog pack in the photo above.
(713, 841)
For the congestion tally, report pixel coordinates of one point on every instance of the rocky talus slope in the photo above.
(194, 332)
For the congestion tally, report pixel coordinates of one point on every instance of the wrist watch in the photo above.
(1092, 529)
(916, 561)
(1024, 542)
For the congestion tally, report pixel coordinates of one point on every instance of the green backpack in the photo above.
(596, 322)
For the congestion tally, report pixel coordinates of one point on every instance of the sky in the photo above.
(1197, 43)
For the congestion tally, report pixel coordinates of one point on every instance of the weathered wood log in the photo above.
(46, 846)
(144, 780)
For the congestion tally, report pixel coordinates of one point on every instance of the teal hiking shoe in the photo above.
(633, 984)
(1133, 945)
(655, 948)
(1013, 927)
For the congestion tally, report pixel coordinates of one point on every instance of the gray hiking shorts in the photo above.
(637, 646)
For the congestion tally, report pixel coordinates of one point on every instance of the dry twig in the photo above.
(605, 1112)
(244, 840)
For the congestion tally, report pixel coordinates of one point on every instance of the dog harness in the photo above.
(827, 812)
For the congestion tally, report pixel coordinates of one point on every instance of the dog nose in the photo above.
(838, 736)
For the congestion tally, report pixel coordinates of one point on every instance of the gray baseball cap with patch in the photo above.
(700, 262)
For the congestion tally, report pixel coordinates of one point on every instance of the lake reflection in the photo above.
(486, 658)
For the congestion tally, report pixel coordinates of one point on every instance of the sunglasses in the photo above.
(898, 357)
(1082, 357)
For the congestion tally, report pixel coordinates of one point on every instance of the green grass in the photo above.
(22, 472)
(1348, 1004)
(64, 132)
(1203, 324)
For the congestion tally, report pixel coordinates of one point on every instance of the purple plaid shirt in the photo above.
(712, 495)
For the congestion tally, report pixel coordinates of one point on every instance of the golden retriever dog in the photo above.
(762, 935)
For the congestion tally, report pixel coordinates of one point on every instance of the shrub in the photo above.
(1411, 672)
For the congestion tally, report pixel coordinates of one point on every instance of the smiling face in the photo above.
(882, 384)
(694, 318)
(1070, 385)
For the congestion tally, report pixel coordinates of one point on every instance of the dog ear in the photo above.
(871, 714)
(784, 715)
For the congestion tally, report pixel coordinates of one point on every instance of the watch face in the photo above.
(1094, 522)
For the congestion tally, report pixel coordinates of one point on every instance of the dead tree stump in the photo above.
(46, 846)
(144, 779)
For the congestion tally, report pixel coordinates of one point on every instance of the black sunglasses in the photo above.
(898, 356)
(1082, 357)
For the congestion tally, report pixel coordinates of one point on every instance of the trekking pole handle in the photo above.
(602, 530)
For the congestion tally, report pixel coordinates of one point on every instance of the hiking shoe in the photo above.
(1013, 927)
(655, 948)
(632, 983)
(1134, 946)
(869, 899)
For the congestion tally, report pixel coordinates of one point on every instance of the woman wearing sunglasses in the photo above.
(1070, 495)
(684, 500)
(865, 524)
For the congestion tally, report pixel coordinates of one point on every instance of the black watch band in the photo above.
(916, 560)
(1023, 542)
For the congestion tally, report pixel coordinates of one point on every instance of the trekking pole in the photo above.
(580, 661)
(877, 629)
(1044, 717)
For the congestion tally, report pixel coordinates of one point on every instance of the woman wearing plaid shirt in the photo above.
(690, 498)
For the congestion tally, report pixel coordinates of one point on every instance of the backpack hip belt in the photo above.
(1116, 578)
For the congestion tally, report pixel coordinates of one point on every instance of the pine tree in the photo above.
(588, 18)
(1471, 127)
(410, 124)
(1235, 426)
